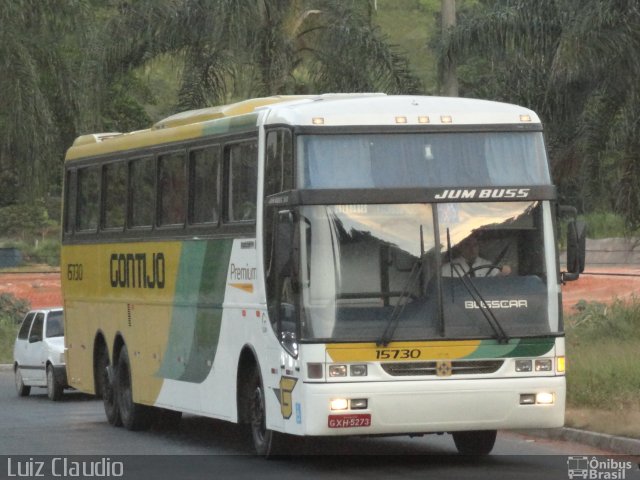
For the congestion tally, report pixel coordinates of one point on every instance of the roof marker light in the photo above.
(423, 119)
(525, 118)
(446, 119)
(401, 119)
(317, 120)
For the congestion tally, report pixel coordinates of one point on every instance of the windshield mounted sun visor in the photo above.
(356, 196)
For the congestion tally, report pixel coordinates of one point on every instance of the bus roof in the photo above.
(373, 109)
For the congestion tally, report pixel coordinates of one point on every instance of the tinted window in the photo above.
(243, 180)
(205, 173)
(422, 160)
(23, 334)
(36, 330)
(142, 186)
(172, 188)
(278, 170)
(70, 201)
(88, 198)
(55, 326)
(115, 188)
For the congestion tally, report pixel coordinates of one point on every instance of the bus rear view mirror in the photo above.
(576, 246)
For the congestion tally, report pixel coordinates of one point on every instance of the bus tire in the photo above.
(22, 389)
(266, 443)
(134, 416)
(54, 387)
(479, 442)
(106, 379)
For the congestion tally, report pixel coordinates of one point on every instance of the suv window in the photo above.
(23, 334)
(55, 327)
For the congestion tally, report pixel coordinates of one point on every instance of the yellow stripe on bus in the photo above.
(401, 351)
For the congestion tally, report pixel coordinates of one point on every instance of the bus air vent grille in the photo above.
(458, 367)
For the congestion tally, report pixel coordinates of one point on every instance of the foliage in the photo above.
(13, 308)
(604, 225)
(25, 220)
(575, 63)
(8, 333)
(44, 252)
(37, 57)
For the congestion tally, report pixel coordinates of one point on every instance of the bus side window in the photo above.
(114, 188)
(243, 181)
(70, 200)
(204, 180)
(141, 192)
(172, 189)
(278, 170)
(278, 174)
(88, 199)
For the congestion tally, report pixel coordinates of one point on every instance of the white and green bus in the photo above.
(293, 264)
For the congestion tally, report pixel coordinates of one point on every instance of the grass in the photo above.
(603, 366)
(8, 332)
(605, 225)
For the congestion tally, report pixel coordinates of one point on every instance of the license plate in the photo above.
(350, 421)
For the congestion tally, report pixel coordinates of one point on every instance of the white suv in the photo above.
(38, 354)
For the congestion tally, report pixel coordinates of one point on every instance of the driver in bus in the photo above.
(470, 263)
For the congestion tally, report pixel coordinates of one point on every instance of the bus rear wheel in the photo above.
(479, 442)
(134, 416)
(106, 379)
(266, 443)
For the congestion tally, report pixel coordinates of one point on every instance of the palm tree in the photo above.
(576, 63)
(37, 93)
(233, 50)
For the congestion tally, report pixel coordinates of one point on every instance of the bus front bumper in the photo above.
(434, 406)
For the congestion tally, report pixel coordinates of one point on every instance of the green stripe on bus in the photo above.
(197, 311)
(515, 347)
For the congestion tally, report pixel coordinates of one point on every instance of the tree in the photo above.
(234, 50)
(36, 92)
(575, 62)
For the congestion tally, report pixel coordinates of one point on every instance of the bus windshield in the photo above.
(422, 160)
(366, 267)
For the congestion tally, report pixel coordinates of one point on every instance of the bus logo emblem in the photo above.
(443, 368)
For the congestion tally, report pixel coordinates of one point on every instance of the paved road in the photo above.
(36, 428)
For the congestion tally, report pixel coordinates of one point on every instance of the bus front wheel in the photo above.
(134, 416)
(479, 442)
(266, 442)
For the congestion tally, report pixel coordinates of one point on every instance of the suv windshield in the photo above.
(366, 267)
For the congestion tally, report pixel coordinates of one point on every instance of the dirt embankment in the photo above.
(40, 289)
(602, 284)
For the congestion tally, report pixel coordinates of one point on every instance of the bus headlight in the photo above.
(523, 365)
(339, 404)
(544, 398)
(544, 365)
(358, 370)
(337, 370)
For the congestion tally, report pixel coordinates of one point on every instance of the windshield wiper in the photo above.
(394, 319)
(487, 313)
